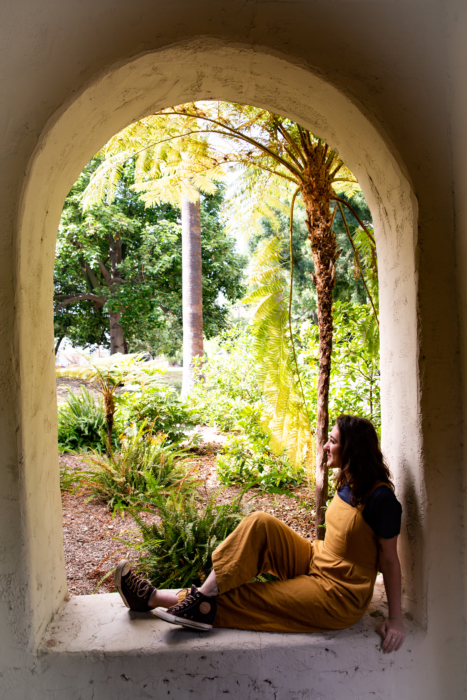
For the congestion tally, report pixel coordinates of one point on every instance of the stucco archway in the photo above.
(204, 69)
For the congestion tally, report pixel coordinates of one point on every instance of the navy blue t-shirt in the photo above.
(382, 511)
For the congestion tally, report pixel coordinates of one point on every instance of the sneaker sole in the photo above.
(121, 570)
(174, 620)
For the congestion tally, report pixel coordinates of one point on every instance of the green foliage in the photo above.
(227, 382)
(270, 153)
(229, 398)
(349, 286)
(248, 460)
(70, 479)
(142, 468)
(178, 551)
(160, 409)
(284, 411)
(145, 286)
(355, 378)
(355, 375)
(81, 423)
(168, 163)
(107, 374)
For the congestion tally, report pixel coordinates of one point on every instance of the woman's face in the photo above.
(333, 449)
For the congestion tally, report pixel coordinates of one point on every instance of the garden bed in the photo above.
(91, 536)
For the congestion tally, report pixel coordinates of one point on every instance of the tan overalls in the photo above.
(323, 585)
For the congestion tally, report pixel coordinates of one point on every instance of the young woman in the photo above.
(324, 585)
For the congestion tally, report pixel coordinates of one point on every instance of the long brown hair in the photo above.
(361, 457)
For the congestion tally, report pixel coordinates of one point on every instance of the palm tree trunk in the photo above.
(317, 196)
(117, 339)
(192, 290)
(109, 409)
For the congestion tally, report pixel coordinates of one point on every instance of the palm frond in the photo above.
(170, 158)
(285, 415)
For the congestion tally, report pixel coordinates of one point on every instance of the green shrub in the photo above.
(228, 397)
(161, 409)
(227, 382)
(142, 468)
(178, 551)
(81, 423)
(355, 374)
(249, 460)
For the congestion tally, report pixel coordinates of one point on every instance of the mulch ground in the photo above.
(93, 539)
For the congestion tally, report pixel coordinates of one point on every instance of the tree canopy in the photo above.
(125, 258)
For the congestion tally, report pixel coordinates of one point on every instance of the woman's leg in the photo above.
(210, 586)
(137, 593)
(261, 544)
(165, 600)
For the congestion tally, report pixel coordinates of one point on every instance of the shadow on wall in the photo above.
(411, 545)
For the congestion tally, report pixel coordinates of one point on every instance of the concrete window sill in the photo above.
(98, 637)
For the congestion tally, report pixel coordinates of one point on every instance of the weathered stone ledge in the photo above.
(95, 648)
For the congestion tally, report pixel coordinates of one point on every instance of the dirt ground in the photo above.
(66, 384)
(94, 541)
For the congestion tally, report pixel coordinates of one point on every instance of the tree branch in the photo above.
(105, 273)
(305, 147)
(336, 170)
(289, 139)
(92, 277)
(79, 297)
(235, 134)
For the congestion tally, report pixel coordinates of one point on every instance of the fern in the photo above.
(81, 423)
(285, 413)
(178, 551)
(142, 468)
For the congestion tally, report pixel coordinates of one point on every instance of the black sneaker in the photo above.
(197, 611)
(134, 590)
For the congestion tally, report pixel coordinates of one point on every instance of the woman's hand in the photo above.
(393, 629)
(394, 634)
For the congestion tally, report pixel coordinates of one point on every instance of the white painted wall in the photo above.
(370, 78)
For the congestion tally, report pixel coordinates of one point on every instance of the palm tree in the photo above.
(272, 148)
(106, 375)
(273, 152)
(192, 290)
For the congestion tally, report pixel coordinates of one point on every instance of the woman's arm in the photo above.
(393, 629)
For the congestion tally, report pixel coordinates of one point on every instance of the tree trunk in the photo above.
(58, 343)
(109, 409)
(117, 340)
(316, 195)
(192, 290)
